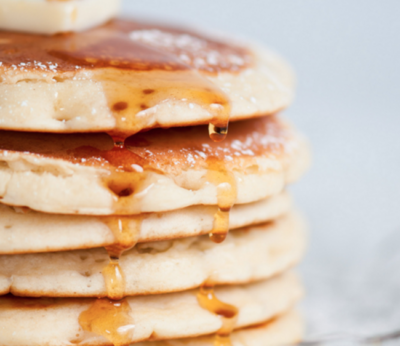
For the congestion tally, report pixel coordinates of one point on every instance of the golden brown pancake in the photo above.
(287, 329)
(23, 230)
(156, 171)
(127, 76)
(247, 255)
(38, 322)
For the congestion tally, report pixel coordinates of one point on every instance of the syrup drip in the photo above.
(222, 340)
(128, 96)
(124, 181)
(126, 233)
(226, 197)
(228, 314)
(109, 319)
(217, 133)
(114, 279)
(221, 226)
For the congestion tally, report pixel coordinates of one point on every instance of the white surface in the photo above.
(347, 56)
(51, 17)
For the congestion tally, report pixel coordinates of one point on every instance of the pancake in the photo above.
(156, 171)
(52, 17)
(43, 322)
(25, 231)
(287, 329)
(133, 76)
(247, 255)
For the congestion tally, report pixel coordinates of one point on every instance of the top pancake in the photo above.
(126, 76)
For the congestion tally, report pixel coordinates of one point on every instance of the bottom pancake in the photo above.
(56, 322)
(287, 329)
(247, 255)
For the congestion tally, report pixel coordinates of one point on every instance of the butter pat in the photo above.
(55, 16)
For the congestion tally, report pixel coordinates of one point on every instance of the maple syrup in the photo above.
(109, 319)
(226, 197)
(222, 340)
(114, 280)
(218, 134)
(126, 232)
(127, 95)
(124, 180)
(220, 227)
(228, 314)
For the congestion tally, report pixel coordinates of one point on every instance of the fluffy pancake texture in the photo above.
(133, 76)
(247, 255)
(156, 171)
(48, 322)
(287, 329)
(27, 231)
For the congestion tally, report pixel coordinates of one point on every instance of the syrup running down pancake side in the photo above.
(109, 319)
(227, 312)
(139, 67)
(127, 233)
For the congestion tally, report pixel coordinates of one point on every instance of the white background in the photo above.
(347, 57)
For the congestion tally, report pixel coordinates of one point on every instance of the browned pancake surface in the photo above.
(121, 44)
(166, 150)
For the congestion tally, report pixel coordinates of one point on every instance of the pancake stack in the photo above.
(130, 211)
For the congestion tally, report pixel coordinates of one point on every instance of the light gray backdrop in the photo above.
(347, 57)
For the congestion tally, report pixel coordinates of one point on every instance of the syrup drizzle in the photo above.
(128, 96)
(124, 181)
(114, 280)
(126, 232)
(220, 227)
(109, 319)
(228, 314)
(226, 197)
(218, 133)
